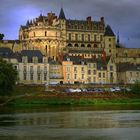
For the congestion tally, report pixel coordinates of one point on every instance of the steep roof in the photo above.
(30, 54)
(123, 67)
(109, 31)
(62, 14)
(6, 52)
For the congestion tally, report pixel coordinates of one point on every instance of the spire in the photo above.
(108, 31)
(62, 15)
(118, 38)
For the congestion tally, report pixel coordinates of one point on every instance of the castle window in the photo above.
(110, 45)
(69, 45)
(89, 46)
(88, 37)
(76, 36)
(69, 36)
(99, 75)
(24, 76)
(82, 37)
(82, 45)
(109, 39)
(34, 34)
(45, 33)
(31, 76)
(95, 37)
(101, 37)
(95, 45)
(76, 45)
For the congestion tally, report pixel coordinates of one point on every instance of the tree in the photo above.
(8, 77)
(1, 36)
(136, 87)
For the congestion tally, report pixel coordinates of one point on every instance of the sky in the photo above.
(122, 15)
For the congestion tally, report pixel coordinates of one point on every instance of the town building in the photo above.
(54, 49)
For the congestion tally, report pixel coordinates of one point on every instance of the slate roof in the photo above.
(62, 15)
(30, 54)
(6, 52)
(85, 51)
(123, 67)
(109, 31)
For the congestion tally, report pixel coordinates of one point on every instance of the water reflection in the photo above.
(73, 124)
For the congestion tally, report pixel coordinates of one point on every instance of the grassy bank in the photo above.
(70, 101)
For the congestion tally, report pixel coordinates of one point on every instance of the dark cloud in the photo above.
(122, 15)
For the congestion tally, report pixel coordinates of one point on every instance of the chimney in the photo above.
(102, 19)
(89, 19)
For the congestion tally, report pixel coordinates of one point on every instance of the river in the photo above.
(70, 123)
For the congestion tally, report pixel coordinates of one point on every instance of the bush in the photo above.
(8, 77)
(136, 87)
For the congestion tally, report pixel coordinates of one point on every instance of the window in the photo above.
(111, 68)
(75, 69)
(82, 45)
(89, 65)
(101, 37)
(95, 37)
(34, 34)
(68, 69)
(88, 37)
(75, 76)
(31, 76)
(110, 45)
(45, 33)
(109, 39)
(24, 68)
(31, 69)
(94, 79)
(103, 75)
(68, 76)
(111, 75)
(89, 72)
(76, 37)
(45, 69)
(24, 76)
(38, 76)
(82, 69)
(94, 72)
(130, 74)
(89, 46)
(38, 69)
(82, 76)
(99, 75)
(82, 37)
(69, 36)
(45, 76)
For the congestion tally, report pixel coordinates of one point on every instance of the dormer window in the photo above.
(24, 59)
(35, 60)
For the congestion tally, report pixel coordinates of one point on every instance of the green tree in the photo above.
(1, 36)
(136, 87)
(8, 77)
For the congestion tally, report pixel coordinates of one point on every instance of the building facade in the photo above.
(54, 49)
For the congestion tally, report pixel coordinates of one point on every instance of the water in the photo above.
(70, 123)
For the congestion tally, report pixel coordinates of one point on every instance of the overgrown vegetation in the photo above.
(8, 77)
(1, 36)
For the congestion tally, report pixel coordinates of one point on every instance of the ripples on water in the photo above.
(69, 123)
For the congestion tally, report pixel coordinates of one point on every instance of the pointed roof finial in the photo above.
(118, 38)
(62, 15)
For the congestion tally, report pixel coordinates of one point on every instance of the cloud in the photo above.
(122, 15)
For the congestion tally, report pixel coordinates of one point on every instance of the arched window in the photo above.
(95, 46)
(76, 45)
(89, 46)
(82, 45)
(69, 45)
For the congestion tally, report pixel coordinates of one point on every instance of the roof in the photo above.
(123, 67)
(30, 54)
(85, 51)
(6, 52)
(109, 31)
(62, 15)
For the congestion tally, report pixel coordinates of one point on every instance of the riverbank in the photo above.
(29, 96)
